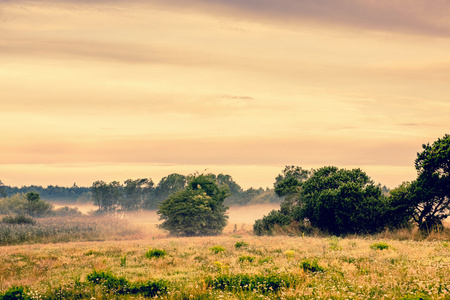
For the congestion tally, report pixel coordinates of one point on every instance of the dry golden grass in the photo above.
(353, 268)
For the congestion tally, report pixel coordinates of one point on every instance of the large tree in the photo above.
(431, 191)
(335, 200)
(197, 210)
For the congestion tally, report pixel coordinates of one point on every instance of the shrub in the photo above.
(311, 266)
(264, 260)
(266, 225)
(19, 219)
(156, 253)
(109, 281)
(240, 244)
(246, 282)
(14, 293)
(245, 258)
(217, 249)
(150, 288)
(379, 246)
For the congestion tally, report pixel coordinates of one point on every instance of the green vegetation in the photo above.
(217, 249)
(309, 265)
(82, 270)
(155, 253)
(240, 244)
(379, 246)
(196, 210)
(19, 219)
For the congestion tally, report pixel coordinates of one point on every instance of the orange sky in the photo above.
(117, 89)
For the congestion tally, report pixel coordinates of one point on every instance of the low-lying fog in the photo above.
(241, 218)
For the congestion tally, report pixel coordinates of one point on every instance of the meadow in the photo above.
(139, 261)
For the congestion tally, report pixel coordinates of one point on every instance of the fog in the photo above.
(241, 218)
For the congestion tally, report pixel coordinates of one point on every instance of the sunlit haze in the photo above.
(112, 89)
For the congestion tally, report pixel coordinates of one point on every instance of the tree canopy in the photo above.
(196, 210)
(335, 200)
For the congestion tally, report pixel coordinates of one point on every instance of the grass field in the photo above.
(143, 262)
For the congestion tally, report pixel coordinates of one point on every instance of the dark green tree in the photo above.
(35, 206)
(335, 200)
(134, 193)
(2, 190)
(197, 210)
(431, 191)
(168, 186)
(106, 196)
(342, 201)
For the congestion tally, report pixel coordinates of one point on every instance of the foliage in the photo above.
(431, 190)
(66, 211)
(19, 219)
(196, 210)
(267, 223)
(246, 258)
(25, 204)
(240, 244)
(263, 283)
(335, 200)
(108, 281)
(14, 293)
(217, 249)
(379, 246)
(120, 285)
(309, 265)
(135, 193)
(73, 193)
(106, 196)
(155, 253)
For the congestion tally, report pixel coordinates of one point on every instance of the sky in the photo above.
(113, 89)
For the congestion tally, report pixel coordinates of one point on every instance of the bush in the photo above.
(245, 258)
(19, 219)
(150, 288)
(217, 249)
(156, 253)
(379, 246)
(14, 293)
(266, 224)
(311, 266)
(109, 281)
(246, 282)
(240, 244)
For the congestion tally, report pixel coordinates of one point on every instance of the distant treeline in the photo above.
(69, 194)
(136, 194)
(143, 194)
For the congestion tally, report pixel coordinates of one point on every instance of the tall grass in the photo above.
(280, 267)
(64, 229)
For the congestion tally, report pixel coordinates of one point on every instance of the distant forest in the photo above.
(139, 193)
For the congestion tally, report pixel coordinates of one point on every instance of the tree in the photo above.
(2, 190)
(197, 210)
(342, 201)
(335, 200)
(35, 206)
(431, 191)
(106, 196)
(134, 193)
(168, 186)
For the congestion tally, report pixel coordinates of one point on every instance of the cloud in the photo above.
(211, 150)
(415, 16)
